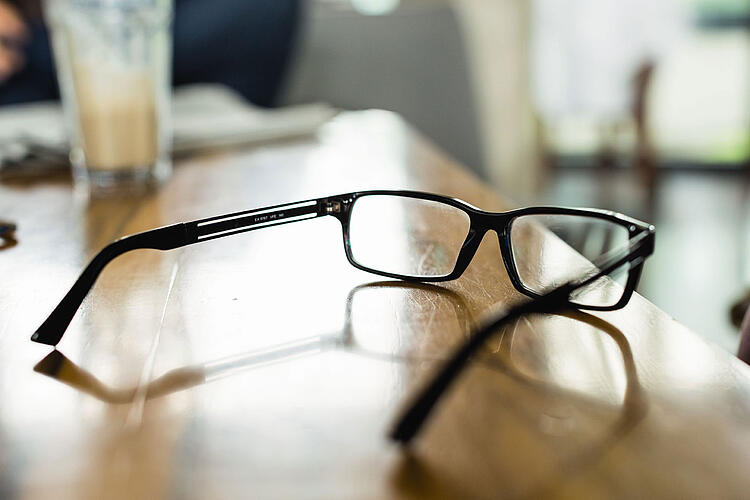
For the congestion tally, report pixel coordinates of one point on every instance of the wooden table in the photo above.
(265, 366)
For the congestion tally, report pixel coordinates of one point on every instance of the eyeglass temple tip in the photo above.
(46, 336)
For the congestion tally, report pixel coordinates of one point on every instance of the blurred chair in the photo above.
(645, 155)
(641, 154)
(594, 61)
(411, 60)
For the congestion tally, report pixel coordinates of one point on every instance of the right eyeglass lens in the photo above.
(551, 250)
(407, 236)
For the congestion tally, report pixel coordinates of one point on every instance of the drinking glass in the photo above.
(113, 60)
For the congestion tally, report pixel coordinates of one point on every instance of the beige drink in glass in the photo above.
(113, 60)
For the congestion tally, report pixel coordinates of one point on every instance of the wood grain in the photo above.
(265, 366)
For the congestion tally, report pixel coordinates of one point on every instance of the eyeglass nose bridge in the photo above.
(481, 223)
(501, 224)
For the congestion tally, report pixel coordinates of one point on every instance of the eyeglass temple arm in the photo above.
(168, 238)
(412, 420)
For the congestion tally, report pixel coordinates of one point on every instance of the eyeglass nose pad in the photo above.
(468, 249)
(471, 239)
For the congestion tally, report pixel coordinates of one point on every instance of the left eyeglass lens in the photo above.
(407, 236)
(550, 250)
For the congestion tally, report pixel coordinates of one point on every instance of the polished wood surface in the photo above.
(265, 366)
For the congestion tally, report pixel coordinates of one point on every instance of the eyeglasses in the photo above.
(411, 236)
(603, 270)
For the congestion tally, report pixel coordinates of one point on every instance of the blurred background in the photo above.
(640, 106)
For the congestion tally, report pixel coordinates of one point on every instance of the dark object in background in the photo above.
(743, 352)
(244, 44)
(36, 81)
(739, 308)
(7, 229)
(7, 235)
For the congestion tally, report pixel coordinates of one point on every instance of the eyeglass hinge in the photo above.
(331, 207)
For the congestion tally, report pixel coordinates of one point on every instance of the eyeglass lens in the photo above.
(407, 236)
(550, 250)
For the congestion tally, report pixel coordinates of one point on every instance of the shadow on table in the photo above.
(413, 475)
(7, 235)
(417, 477)
(59, 367)
(8, 242)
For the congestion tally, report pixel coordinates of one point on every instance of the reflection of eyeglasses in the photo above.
(555, 300)
(412, 236)
(56, 365)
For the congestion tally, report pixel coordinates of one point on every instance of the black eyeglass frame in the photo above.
(339, 206)
(481, 221)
